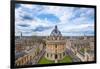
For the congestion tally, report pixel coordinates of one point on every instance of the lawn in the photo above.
(43, 60)
(82, 50)
(66, 59)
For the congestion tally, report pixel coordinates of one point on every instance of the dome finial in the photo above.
(55, 26)
(55, 32)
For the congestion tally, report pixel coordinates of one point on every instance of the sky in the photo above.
(40, 20)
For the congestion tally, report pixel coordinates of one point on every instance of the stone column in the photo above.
(56, 61)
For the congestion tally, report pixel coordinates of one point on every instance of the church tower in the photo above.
(20, 35)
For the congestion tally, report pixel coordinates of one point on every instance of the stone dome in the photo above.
(55, 32)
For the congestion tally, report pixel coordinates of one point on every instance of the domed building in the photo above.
(55, 46)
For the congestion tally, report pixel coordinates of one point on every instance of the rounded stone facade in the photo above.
(55, 46)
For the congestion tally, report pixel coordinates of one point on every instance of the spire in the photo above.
(55, 26)
(56, 29)
(20, 35)
(85, 37)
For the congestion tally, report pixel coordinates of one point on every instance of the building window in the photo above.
(60, 55)
(51, 55)
(47, 54)
(56, 56)
(63, 54)
(56, 46)
(55, 38)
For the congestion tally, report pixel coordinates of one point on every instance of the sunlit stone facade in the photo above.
(55, 46)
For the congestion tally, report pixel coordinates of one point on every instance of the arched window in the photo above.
(60, 55)
(51, 55)
(64, 54)
(56, 46)
(56, 56)
(47, 54)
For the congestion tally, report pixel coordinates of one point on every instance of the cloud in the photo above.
(26, 17)
(24, 25)
(41, 19)
(41, 28)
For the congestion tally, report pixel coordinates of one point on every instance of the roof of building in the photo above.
(19, 54)
(55, 32)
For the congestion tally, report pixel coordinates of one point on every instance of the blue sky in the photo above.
(40, 20)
